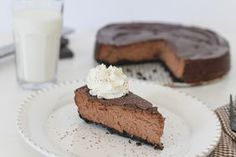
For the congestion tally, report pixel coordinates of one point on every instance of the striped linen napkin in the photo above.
(227, 144)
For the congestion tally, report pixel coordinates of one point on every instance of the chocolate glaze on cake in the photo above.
(129, 116)
(192, 54)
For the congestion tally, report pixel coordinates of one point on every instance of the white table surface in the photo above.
(11, 144)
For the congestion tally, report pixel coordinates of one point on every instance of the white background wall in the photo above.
(219, 15)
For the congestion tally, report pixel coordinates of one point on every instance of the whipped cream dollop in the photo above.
(108, 83)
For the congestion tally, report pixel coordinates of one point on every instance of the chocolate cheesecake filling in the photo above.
(130, 115)
(191, 54)
(143, 52)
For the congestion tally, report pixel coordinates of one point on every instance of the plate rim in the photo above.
(49, 153)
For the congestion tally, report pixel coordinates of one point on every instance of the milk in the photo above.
(37, 37)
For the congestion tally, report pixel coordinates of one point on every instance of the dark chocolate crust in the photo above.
(124, 134)
(207, 69)
(206, 54)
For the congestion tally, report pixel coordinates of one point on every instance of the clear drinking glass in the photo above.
(37, 27)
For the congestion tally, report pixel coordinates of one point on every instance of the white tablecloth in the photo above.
(11, 144)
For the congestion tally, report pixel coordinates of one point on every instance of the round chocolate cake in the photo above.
(191, 54)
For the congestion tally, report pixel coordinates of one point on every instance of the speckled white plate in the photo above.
(48, 121)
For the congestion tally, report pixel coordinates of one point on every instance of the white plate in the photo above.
(48, 121)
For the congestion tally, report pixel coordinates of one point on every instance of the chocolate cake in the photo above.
(191, 54)
(129, 116)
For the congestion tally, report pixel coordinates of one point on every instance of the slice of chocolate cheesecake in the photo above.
(130, 115)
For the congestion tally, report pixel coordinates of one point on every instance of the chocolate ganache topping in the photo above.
(187, 41)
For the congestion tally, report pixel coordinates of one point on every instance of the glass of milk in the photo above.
(37, 27)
